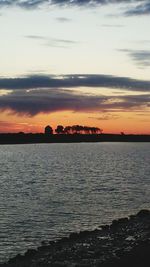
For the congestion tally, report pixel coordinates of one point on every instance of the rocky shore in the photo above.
(124, 243)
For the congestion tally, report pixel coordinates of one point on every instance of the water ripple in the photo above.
(50, 190)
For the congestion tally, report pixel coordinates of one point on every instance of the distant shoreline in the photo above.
(22, 138)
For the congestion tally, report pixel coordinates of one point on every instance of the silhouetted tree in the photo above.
(86, 129)
(77, 129)
(92, 130)
(98, 130)
(68, 130)
(59, 129)
(48, 130)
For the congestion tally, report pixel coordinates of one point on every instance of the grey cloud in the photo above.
(46, 101)
(32, 102)
(63, 19)
(112, 25)
(140, 57)
(141, 9)
(137, 99)
(36, 37)
(60, 43)
(53, 42)
(75, 81)
(31, 4)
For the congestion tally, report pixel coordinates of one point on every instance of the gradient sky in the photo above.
(75, 62)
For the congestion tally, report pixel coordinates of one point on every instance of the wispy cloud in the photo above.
(140, 57)
(112, 25)
(63, 19)
(7, 126)
(106, 116)
(53, 42)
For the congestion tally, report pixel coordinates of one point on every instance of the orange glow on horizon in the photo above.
(127, 122)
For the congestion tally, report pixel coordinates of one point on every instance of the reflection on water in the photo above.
(49, 190)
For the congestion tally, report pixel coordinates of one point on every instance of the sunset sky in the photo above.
(75, 62)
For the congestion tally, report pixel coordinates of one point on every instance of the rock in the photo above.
(43, 248)
(84, 234)
(30, 253)
(143, 213)
(105, 227)
(125, 243)
(123, 220)
(120, 222)
(74, 236)
(15, 259)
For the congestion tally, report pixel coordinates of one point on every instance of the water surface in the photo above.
(50, 190)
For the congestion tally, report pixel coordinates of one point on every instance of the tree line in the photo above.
(74, 129)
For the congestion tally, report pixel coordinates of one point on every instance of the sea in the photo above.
(48, 191)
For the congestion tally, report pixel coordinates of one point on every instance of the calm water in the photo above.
(49, 190)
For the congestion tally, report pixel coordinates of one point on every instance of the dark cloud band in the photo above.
(32, 102)
(75, 81)
(32, 95)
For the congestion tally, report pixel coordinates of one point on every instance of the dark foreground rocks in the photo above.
(124, 243)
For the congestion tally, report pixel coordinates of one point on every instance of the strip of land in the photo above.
(21, 138)
(124, 243)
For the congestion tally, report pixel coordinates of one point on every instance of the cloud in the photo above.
(75, 81)
(8, 124)
(36, 101)
(7, 127)
(112, 25)
(63, 19)
(135, 7)
(33, 102)
(36, 94)
(53, 42)
(106, 117)
(141, 9)
(140, 57)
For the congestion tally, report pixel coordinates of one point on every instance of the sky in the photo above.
(68, 62)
